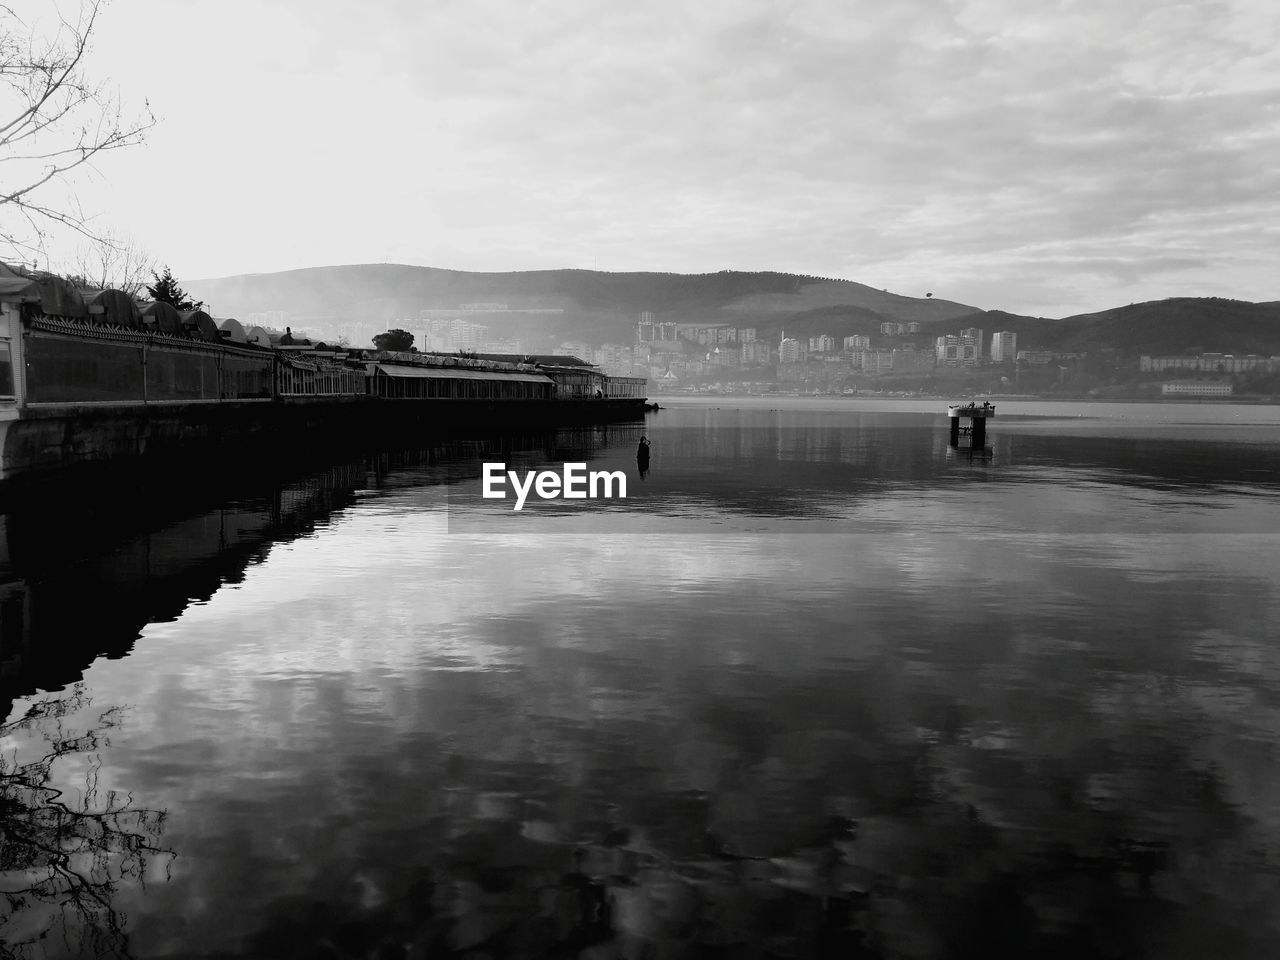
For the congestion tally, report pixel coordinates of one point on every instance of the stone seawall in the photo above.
(49, 441)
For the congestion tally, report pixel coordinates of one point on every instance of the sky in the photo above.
(1045, 158)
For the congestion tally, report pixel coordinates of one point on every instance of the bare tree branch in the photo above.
(61, 865)
(59, 121)
(111, 262)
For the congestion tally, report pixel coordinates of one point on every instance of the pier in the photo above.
(92, 377)
(977, 414)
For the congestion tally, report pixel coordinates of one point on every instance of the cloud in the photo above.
(920, 145)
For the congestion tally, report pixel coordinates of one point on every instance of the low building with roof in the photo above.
(1196, 388)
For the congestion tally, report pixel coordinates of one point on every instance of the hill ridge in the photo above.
(575, 303)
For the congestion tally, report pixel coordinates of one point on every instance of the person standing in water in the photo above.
(642, 455)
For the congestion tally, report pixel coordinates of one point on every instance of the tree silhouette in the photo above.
(397, 340)
(166, 290)
(61, 864)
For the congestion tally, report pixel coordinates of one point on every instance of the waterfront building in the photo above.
(709, 336)
(648, 331)
(871, 361)
(789, 351)
(857, 342)
(1210, 363)
(973, 335)
(1156, 364)
(822, 344)
(1196, 388)
(1035, 357)
(964, 350)
(446, 336)
(946, 350)
(1004, 346)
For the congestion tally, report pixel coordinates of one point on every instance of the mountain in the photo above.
(603, 307)
(591, 305)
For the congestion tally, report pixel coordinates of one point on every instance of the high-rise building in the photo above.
(1004, 346)
(822, 344)
(974, 337)
(648, 330)
(961, 351)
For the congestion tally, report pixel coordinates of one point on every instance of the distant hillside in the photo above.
(595, 306)
(839, 321)
(1157, 327)
(603, 307)
(1182, 325)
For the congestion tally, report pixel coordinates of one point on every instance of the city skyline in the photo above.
(1041, 162)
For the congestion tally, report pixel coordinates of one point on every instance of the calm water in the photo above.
(820, 686)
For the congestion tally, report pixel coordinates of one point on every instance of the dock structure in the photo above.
(977, 414)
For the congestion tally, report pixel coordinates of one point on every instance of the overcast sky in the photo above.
(1045, 158)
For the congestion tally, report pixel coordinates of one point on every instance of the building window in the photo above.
(6, 370)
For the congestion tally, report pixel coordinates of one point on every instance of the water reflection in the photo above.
(872, 472)
(63, 856)
(385, 737)
(776, 761)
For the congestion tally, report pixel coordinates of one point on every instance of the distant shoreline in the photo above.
(953, 398)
